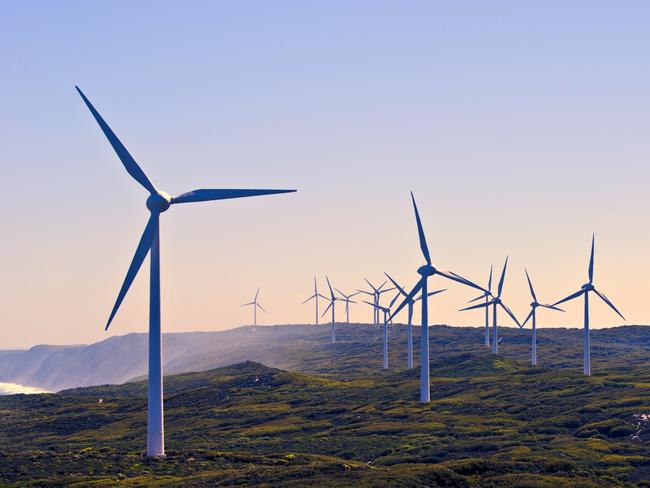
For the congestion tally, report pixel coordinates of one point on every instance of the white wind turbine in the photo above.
(386, 319)
(533, 315)
(333, 298)
(411, 303)
(255, 304)
(585, 290)
(425, 272)
(487, 295)
(376, 294)
(157, 203)
(496, 302)
(348, 300)
(315, 296)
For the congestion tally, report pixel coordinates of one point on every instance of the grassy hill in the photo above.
(302, 348)
(492, 422)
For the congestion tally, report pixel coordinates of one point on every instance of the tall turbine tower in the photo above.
(333, 298)
(586, 288)
(425, 272)
(487, 295)
(533, 314)
(348, 300)
(496, 302)
(386, 319)
(255, 305)
(315, 296)
(157, 203)
(411, 302)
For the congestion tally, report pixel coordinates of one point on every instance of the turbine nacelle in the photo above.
(159, 202)
(588, 287)
(427, 270)
(534, 304)
(496, 300)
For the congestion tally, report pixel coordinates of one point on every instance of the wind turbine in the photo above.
(533, 314)
(425, 272)
(496, 302)
(333, 298)
(386, 319)
(348, 300)
(315, 296)
(411, 302)
(255, 305)
(586, 288)
(157, 203)
(486, 295)
(376, 294)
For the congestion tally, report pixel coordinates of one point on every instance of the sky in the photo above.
(521, 127)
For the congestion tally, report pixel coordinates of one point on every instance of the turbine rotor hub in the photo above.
(427, 270)
(159, 202)
(588, 287)
(496, 301)
(534, 304)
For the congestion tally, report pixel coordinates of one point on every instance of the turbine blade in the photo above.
(332, 297)
(509, 312)
(490, 280)
(401, 290)
(591, 259)
(532, 292)
(430, 294)
(127, 160)
(608, 302)
(474, 307)
(423, 239)
(503, 277)
(381, 286)
(310, 298)
(256, 294)
(247, 304)
(328, 307)
(140, 253)
(408, 298)
(527, 318)
(261, 307)
(484, 295)
(456, 277)
(371, 286)
(371, 304)
(570, 297)
(204, 195)
(392, 302)
(341, 293)
(551, 307)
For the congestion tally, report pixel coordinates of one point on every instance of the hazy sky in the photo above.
(522, 127)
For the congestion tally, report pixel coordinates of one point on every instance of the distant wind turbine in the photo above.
(586, 288)
(333, 298)
(376, 294)
(487, 295)
(425, 272)
(496, 302)
(348, 300)
(315, 296)
(411, 302)
(255, 305)
(386, 319)
(533, 314)
(157, 203)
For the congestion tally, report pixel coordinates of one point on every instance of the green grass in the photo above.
(491, 422)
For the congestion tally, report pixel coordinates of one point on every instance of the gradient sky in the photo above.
(522, 127)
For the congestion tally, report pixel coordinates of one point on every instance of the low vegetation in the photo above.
(492, 422)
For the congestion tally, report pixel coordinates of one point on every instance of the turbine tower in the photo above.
(533, 314)
(333, 298)
(386, 319)
(411, 302)
(315, 296)
(586, 288)
(425, 272)
(487, 295)
(348, 300)
(255, 305)
(496, 302)
(157, 203)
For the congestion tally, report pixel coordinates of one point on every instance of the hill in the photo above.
(492, 422)
(302, 348)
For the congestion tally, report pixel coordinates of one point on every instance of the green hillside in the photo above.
(492, 422)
